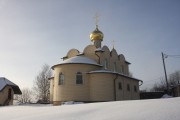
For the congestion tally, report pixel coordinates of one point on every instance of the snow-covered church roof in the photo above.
(111, 72)
(5, 82)
(79, 60)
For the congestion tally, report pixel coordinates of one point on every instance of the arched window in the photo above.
(114, 67)
(105, 64)
(61, 79)
(79, 78)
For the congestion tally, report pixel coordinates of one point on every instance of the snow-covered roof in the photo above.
(99, 50)
(111, 72)
(78, 60)
(103, 71)
(80, 54)
(5, 82)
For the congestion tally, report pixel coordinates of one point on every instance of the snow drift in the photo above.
(156, 109)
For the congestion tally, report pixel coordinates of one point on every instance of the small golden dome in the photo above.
(96, 35)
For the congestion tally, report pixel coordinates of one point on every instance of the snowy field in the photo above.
(157, 109)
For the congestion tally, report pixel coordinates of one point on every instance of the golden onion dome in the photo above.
(96, 35)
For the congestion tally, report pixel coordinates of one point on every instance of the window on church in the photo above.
(128, 87)
(61, 79)
(79, 78)
(120, 86)
(135, 89)
(114, 67)
(105, 64)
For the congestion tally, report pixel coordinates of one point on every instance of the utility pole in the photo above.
(165, 72)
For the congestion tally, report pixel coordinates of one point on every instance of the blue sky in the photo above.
(35, 32)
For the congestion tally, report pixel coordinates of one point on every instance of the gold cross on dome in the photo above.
(96, 18)
(113, 43)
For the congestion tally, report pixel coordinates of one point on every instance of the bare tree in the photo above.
(25, 97)
(173, 80)
(161, 86)
(42, 84)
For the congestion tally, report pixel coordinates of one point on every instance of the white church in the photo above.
(97, 74)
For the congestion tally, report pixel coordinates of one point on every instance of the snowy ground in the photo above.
(157, 109)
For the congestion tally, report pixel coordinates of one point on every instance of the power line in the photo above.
(174, 56)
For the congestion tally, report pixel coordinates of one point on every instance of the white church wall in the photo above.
(51, 89)
(101, 87)
(70, 91)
